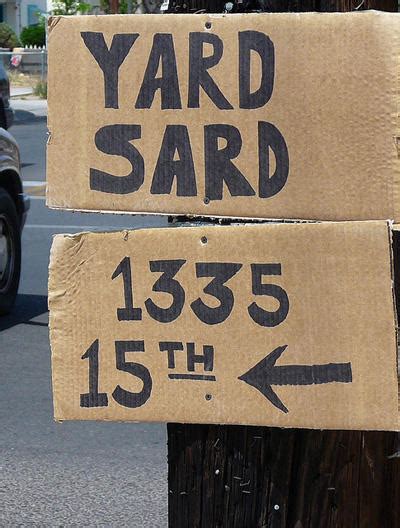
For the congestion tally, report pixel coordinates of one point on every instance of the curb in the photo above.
(28, 91)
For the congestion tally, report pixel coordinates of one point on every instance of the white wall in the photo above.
(9, 13)
(28, 10)
(16, 13)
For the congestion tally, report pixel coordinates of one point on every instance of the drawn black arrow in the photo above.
(266, 373)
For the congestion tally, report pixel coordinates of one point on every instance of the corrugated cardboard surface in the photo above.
(338, 281)
(334, 101)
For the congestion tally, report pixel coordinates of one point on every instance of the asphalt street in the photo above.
(74, 473)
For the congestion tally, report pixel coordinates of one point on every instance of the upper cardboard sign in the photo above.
(265, 324)
(262, 116)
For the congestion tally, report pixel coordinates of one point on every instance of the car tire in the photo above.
(3, 120)
(10, 252)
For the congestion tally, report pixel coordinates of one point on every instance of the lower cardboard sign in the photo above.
(289, 325)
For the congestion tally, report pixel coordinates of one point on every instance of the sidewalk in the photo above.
(20, 91)
(29, 109)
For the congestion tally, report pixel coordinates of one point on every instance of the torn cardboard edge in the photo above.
(394, 233)
(196, 217)
(202, 216)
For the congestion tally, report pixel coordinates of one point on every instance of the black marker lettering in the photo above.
(176, 141)
(170, 347)
(109, 60)
(93, 398)
(221, 272)
(218, 165)
(198, 74)
(168, 84)
(192, 377)
(206, 358)
(115, 140)
(122, 396)
(269, 137)
(261, 44)
(128, 313)
(166, 283)
(259, 315)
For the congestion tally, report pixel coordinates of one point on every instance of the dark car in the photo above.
(6, 112)
(13, 208)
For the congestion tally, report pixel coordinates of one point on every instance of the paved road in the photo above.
(70, 474)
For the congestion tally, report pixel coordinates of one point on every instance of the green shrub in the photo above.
(33, 35)
(41, 89)
(8, 37)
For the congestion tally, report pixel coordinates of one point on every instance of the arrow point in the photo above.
(257, 377)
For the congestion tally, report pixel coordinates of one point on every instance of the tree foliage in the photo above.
(70, 7)
(8, 37)
(33, 35)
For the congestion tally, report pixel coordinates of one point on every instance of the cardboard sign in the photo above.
(261, 324)
(261, 116)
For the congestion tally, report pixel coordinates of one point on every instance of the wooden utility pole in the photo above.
(114, 7)
(256, 477)
(259, 477)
